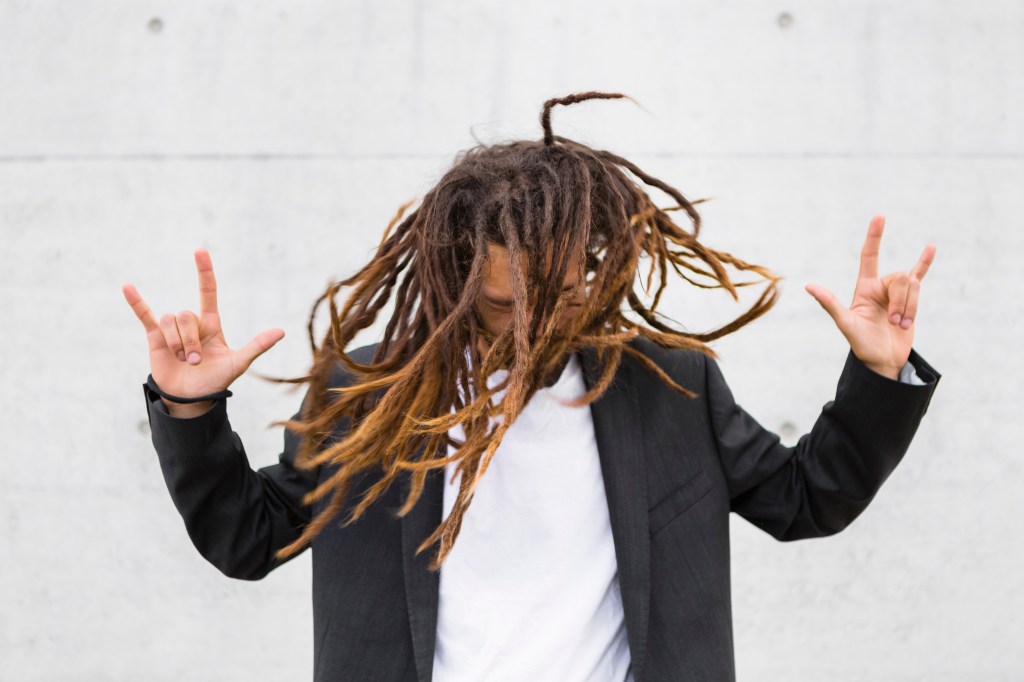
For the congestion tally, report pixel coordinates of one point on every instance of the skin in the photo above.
(495, 304)
(494, 307)
(879, 324)
(189, 355)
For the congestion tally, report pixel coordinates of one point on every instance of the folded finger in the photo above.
(188, 330)
(169, 327)
(899, 287)
(910, 312)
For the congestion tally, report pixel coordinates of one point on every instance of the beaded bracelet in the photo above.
(175, 399)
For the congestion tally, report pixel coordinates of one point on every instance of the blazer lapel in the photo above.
(422, 584)
(617, 427)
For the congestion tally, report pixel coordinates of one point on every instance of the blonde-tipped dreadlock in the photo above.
(556, 202)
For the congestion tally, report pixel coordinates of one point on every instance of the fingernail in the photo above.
(906, 323)
(193, 357)
(181, 355)
(895, 317)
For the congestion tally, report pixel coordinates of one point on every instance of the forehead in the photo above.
(498, 277)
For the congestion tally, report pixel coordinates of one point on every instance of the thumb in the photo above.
(262, 342)
(829, 302)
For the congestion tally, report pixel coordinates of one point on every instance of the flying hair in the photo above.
(552, 204)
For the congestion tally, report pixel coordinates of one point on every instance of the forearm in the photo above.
(824, 482)
(236, 517)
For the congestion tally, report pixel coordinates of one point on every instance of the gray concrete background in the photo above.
(281, 136)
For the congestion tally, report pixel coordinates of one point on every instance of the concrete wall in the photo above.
(281, 136)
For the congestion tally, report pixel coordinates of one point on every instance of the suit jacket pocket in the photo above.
(679, 501)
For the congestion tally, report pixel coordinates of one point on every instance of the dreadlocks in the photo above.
(551, 204)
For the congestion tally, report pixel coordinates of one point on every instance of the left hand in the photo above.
(879, 324)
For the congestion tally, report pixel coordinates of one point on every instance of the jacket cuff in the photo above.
(183, 435)
(890, 394)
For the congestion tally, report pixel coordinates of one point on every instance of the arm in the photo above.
(236, 517)
(821, 484)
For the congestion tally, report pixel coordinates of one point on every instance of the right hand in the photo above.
(188, 355)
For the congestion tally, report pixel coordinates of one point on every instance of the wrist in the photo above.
(168, 398)
(187, 410)
(885, 370)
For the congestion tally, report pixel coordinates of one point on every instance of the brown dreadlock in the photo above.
(551, 204)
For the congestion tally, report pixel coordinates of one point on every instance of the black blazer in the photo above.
(673, 469)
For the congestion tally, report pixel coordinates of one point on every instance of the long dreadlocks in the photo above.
(550, 203)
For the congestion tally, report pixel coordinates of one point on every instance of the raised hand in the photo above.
(879, 324)
(188, 355)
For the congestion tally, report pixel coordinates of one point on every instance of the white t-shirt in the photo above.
(530, 590)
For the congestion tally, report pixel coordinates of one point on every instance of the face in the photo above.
(495, 304)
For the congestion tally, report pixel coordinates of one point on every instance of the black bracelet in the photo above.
(175, 399)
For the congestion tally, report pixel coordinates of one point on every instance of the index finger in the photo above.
(924, 262)
(872, 244)
(207, 283)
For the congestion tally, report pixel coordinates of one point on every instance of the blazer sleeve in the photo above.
(236, 517)
(820, 485)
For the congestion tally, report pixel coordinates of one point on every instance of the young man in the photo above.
(601, 449)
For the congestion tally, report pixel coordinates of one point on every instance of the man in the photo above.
(601, 448)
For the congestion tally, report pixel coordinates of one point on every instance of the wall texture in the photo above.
(281, 136)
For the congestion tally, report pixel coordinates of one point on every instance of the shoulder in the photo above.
(341, 375)
(363, 354)
(679, 363)
(685, 367)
